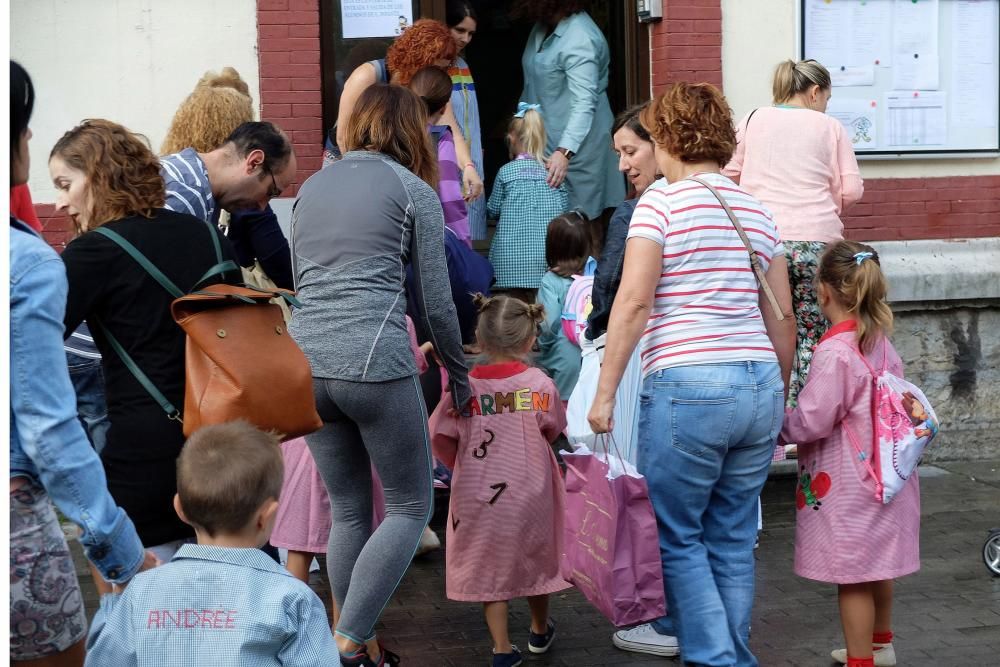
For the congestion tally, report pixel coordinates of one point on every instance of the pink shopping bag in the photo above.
(611, 547)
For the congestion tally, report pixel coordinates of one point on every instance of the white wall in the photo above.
(130, 61)
(756, 36)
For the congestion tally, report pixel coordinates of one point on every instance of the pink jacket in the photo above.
(800, 164)
(844, 534)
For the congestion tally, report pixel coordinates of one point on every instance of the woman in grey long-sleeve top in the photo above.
(356, 226)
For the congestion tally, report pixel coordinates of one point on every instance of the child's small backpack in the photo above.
(577, 307)
(903, 424)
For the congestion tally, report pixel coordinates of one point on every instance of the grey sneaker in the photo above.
(644, 639)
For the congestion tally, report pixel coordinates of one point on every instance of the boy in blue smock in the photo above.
(220, 602)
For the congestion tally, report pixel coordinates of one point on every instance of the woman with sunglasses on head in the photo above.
(108, 180)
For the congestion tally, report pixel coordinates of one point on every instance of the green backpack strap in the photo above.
(160, 277)
(147, 384)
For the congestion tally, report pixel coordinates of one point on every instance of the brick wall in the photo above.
(687, 44)
(57, 229)
(290, 78)
(926, 208)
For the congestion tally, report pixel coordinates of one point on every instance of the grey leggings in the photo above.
(384, 423)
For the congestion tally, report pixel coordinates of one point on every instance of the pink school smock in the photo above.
(843, 533)
(505, 519)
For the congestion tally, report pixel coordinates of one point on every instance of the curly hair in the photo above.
(423, 43)
(692, 122)
(543, 10)
(218, 105)
(122, 172)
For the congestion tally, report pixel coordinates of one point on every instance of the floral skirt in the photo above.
(803, 264)
(46, 607)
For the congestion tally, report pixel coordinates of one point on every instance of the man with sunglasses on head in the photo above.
(253, 166)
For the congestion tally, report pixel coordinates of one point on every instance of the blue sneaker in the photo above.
(512, 659)
(541, 643)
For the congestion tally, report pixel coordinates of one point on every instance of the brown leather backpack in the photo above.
(240, 362)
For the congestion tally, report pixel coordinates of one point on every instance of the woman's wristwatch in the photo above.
(567, 152)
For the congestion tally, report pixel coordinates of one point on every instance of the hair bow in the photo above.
(522, 107)
(862, 256)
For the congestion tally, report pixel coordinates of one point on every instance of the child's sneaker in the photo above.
(512, 659)
(885, 655)
(645, 639)
(541, 643)
(386, 659)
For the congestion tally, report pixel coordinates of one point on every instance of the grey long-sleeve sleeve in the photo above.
(430, 272)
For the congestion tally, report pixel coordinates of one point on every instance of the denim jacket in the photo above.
(608, 276)
(47, 441)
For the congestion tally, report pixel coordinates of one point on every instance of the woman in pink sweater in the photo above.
(800, 163)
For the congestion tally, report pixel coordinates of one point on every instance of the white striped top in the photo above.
(188, 189)
(706, 307)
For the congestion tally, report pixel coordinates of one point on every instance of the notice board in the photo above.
(910, 78)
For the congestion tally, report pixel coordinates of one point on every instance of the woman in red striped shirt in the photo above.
(715, 362)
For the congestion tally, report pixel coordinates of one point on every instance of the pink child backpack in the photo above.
(903, 424)
(577, 307)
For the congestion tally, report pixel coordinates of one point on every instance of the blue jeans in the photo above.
(706, 436)
(87, 377)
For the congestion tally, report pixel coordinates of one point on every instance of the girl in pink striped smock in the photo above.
(844, 534)
(505, 520)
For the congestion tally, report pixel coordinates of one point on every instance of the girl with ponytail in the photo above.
(505, 518)
(524, 203)
(843, 535)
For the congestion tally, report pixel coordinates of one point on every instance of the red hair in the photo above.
(692, 122)
(420, 45)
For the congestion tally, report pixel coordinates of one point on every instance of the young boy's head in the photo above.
(433, 85)
(229, 478)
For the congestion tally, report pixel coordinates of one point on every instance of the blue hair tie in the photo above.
(522, 107)
(862, 256)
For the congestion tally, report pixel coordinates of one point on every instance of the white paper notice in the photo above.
(858, 118)
(915, 118)
(871, 33)
(375, 18)
(826, 24)
(915, 45)
(973, 73)
(853, 75)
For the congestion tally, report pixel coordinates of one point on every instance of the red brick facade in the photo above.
(290, 79)
(926, 208)
(686, 45)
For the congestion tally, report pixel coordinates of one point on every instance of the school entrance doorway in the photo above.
(494, 56)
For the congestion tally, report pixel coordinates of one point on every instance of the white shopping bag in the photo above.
(626, 414)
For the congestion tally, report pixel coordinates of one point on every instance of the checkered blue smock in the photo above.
(217, 606)
(524, 204)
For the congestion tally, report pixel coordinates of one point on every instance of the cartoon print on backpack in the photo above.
(811, 487)
(924, 425)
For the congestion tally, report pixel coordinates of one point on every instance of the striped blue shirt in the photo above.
(188, 189)
(218, 606)
(81, 343)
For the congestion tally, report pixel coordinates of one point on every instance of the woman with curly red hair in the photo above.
(426, 43)
(106, 177)
(715, 358)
